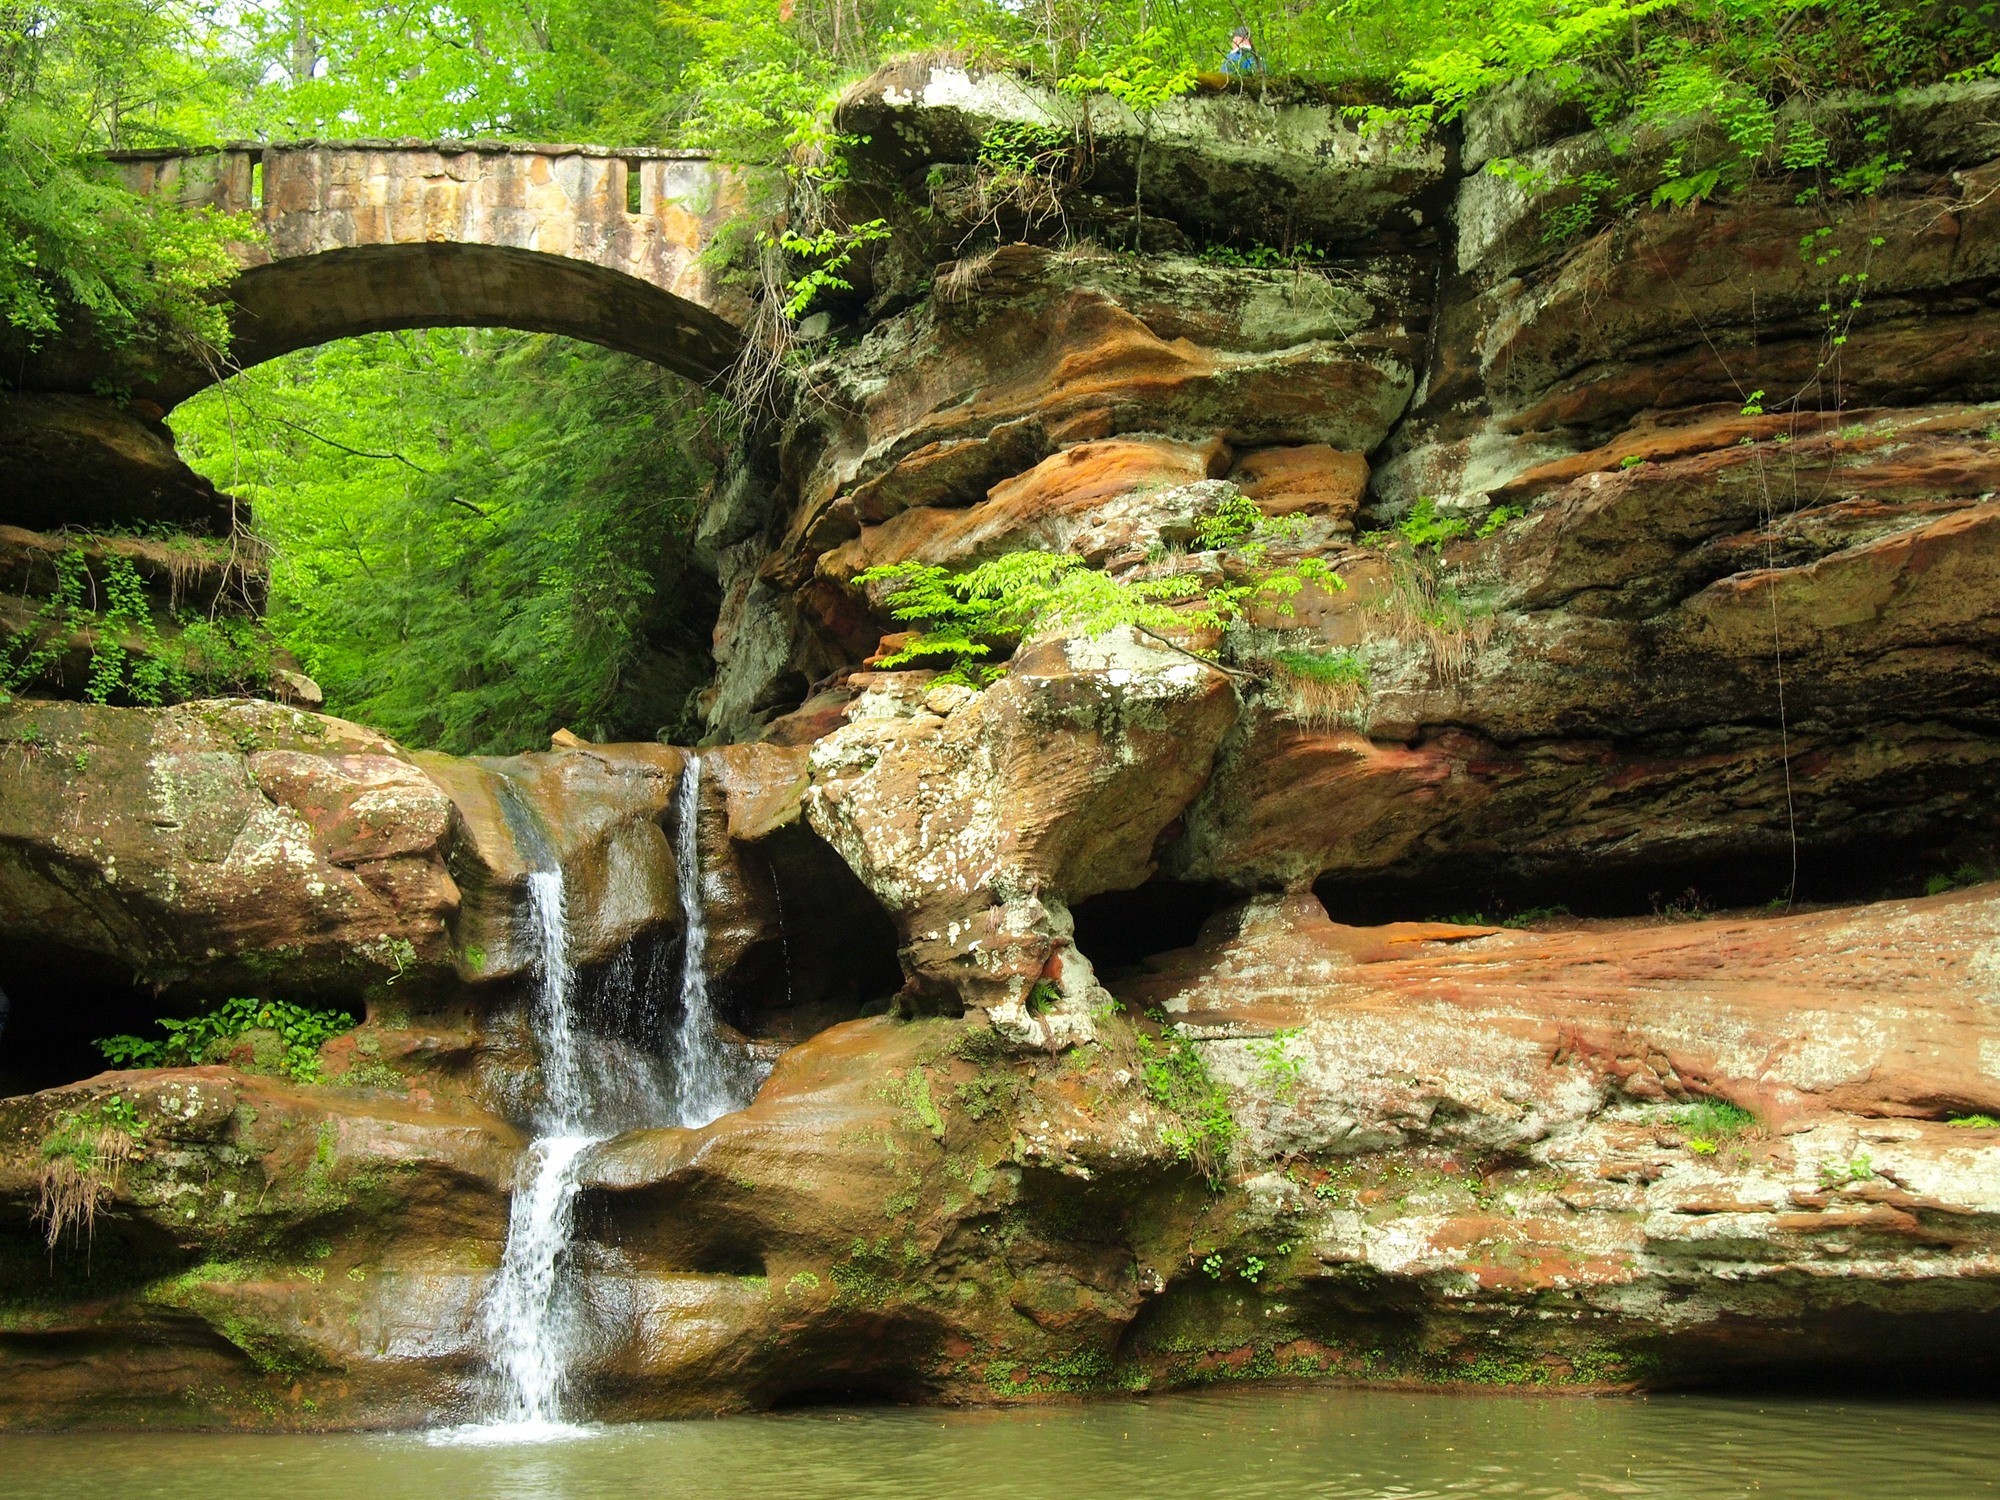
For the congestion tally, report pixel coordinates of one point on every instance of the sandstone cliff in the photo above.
(1662, 583)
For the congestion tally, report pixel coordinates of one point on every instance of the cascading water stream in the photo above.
(529, 1314)
(532, 1313)
(707, 1085)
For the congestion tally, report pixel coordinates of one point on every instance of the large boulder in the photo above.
(204, 1236)
(1662, 1152)
(235, 844)
(224, 843)
(977, 818)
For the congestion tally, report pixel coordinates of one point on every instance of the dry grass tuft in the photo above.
(80, 1167)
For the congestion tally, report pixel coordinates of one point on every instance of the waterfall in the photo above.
(708, 1086)
(532, 1313)
(553, 1018)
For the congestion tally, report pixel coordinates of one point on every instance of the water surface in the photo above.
(1242, 1444)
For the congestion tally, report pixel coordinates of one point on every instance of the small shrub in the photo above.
(1973, 1122)
(206, 1038)
(1840, 1174)
(1528, 916)
(1965, 875)
(1277, 1068)
(1706, 1125)
(1425, 600)
(1177, 1079)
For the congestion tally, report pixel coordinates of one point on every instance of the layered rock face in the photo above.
(1447, 1155)
(1095, 1080)
(1741, 623)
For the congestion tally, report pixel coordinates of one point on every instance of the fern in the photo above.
(966, 618)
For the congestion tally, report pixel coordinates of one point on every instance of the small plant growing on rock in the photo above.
(966, 617)
(1973, 1122)
(1277, 1068)
(1322, 689)
(208, 1038)
(1176, 1078)
(1965, 875)
(82, 1158)
(1706, 1125)
(1840, 1174)
(1426, 601)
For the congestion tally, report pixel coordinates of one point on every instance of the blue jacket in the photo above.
(1242, 62)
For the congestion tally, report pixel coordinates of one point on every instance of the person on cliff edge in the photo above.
(1242, 60)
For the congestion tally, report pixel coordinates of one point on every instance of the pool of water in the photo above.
(1245, 1445)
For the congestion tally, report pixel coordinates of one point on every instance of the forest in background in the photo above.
(480, 537)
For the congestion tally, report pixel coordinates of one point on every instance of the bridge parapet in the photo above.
(362, 236)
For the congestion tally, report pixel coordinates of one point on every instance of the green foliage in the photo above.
(1177, 1079)
(78, 251)
(966, 616)
(1279, 1069)
(1498, 519)
(206, 1038)
(1323, 689)
(478, 537)
(1706, 1125)
(81, 1157)
(130, 660)
(1426, 601)
(1840, 1174)
(1141, 72)
(1968, 873)
(1973, 1122)
(1258, 256)
(75, 1132)
(1329, 668)
(1234, 521)
(1015, 148)
(1528, 916)
(829, 254)
(1422, 528)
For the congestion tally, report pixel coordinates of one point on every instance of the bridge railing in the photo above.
(230, 177)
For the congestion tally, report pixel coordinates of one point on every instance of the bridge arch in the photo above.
(369, 236)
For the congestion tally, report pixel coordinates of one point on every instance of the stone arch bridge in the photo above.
(367, 236)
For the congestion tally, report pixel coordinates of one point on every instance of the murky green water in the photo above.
(1244, 1445)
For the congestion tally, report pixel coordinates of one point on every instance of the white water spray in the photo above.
(530, 1314)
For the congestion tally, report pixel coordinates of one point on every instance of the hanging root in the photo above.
(79, 1169)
